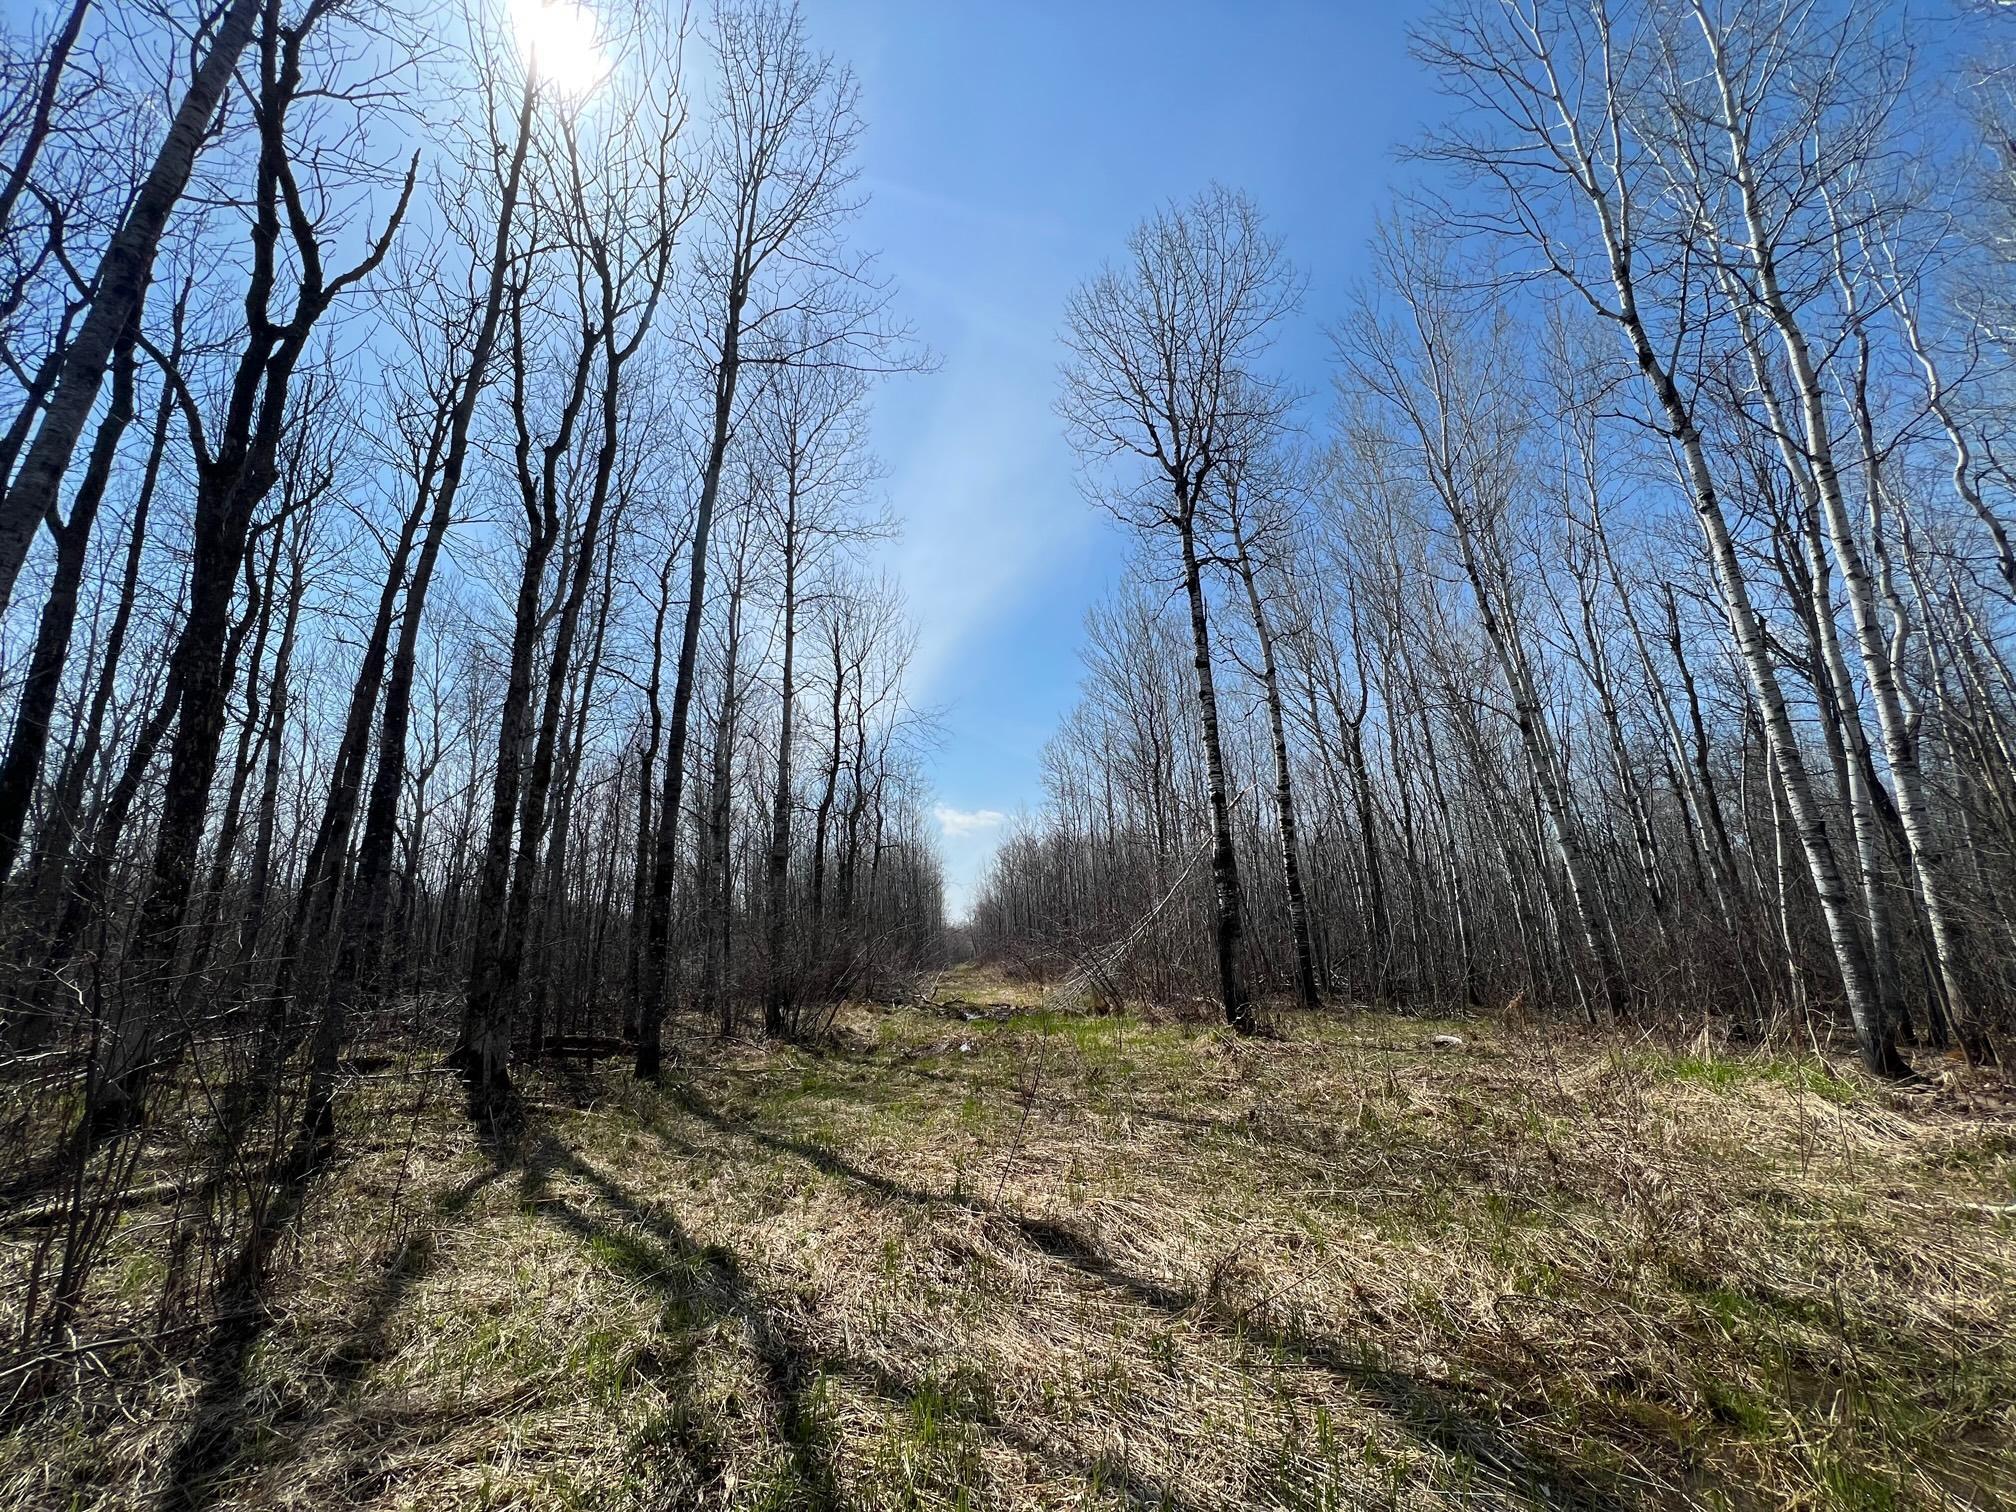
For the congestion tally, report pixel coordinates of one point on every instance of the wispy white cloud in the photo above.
(984, 488)
(957, 822)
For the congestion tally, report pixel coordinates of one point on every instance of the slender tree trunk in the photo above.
(538, 784)
(36, 132)
(1681, 775)
(259, 874)
(261, 594)
(778, 861)
(117, 289)
(664, 871)
(1567, 135)
(1224, 861)
(44, 677)
(80, 763)
(1492, 595)
(1875, 1036)
(1899, 730)
(1841, 706)
(641, 880)
(365, 944)
(485, 1049)
(857, 798)
(823, 814)
(716, 876)
(1645, 840)
(1284, 791)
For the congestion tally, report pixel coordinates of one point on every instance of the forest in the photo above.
(1501, 993)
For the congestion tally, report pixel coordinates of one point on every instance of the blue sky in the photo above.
(1011, 145)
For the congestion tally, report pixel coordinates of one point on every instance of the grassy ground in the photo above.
(978, 1255)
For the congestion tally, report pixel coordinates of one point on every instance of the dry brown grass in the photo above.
(979, 1255)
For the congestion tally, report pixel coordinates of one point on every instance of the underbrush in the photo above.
(976, 1254)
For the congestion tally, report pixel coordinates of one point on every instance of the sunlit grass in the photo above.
(1040, 1260)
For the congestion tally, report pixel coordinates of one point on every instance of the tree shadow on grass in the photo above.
(199, 1470)
(1456, 1419)
(1434, 1168)
(683, 1272)
(793, 1367)
(210, 1442)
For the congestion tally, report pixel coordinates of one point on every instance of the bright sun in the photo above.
(557, 40)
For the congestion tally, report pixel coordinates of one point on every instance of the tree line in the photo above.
(1628, 637)
(436, 556)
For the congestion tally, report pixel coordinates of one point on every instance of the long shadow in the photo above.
(201, 1467)
(212, 1438)
(792, 1364)
(197, 1471)
(1446, 1163)
(576, 1080)
(500, 1118)
(1456, 1419)
(790, 1378)
(41, 1177)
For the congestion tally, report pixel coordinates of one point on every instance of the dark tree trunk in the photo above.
(118, 288)
(30, 740)
(778, 861)
(364, 944)
(665, 859)
(1224, 862)
(485, 1049)
(1284, 791)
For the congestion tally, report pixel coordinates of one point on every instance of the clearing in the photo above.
(977, 1254)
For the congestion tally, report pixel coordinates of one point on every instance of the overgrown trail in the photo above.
(975, 1254)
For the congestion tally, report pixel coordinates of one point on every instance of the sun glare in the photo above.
(558, 42)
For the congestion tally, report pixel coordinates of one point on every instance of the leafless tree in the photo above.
(1162, 372)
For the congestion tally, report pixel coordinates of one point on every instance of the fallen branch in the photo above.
(49, 1212)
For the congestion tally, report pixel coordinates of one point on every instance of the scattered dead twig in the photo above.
(1027, 1094)
(99, 1346)
(60, 1208)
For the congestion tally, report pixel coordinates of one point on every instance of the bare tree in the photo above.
(1162, 372)
(120, 282)
(236, 468)
(811, 435)
(777, 287)
(1549, 127)
(1256, 520)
